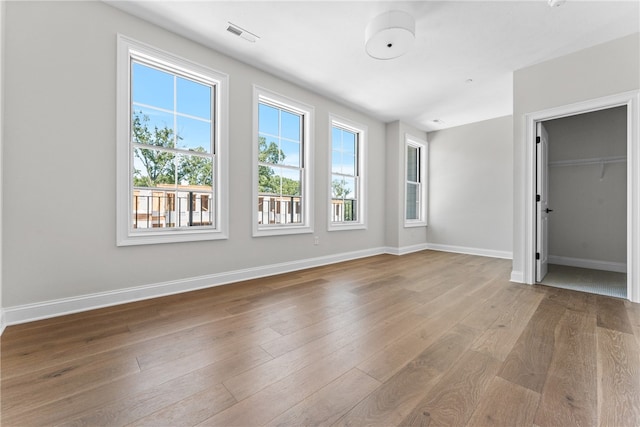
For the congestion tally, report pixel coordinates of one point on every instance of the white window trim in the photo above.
(260, 94)
(362, 132)
(126, 235)
(410, 140)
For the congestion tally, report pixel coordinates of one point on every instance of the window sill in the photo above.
(281, 230)
(346, 226)
(154, 238)
(413, 224)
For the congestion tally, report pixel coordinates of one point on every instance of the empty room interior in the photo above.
(302, 213)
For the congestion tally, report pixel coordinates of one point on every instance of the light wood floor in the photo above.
(427, 338)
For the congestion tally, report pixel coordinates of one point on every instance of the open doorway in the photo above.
(581, 192)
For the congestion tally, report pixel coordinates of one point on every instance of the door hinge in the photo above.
(537, 197)
(537, 255)
(537, 140)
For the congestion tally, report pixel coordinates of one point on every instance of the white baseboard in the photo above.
(53, 308)
(406, 249)
(517, 276)
(3, 324)
(59, 307)
(470, 251)
(618, 267)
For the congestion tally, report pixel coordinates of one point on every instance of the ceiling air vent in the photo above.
(241, 32)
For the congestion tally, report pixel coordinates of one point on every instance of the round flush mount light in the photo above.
(556, 3)
(390, 35)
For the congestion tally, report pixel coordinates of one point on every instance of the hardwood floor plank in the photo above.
(528, 362)
(343, 322)
(190, 410)
(505, 405)
(485, 313)
(612, 314)
(396, 397)
(633, 311)
(38, 387)
(426, 338)
(454, 398)
(498, 340)
(618, 378)
(327, 405)
(144, 403)
(317, 352)
(390, 360)
(569, 395)
(273, 400)
(224, 363)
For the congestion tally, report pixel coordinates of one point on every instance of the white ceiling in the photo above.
(320, 45)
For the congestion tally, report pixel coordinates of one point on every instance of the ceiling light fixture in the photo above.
(390, 35)
(241, 32)
(556, 3)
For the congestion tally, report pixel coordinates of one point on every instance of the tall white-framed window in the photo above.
(282, 182)
(415, 197)
(171, 148)
(347, 179)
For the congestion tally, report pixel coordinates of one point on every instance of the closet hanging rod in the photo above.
(596, 161)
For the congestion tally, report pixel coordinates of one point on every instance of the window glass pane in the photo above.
(412, 200)
(153, 168)
(336, 138)
(195, 171)
(152, 127)
(336, 161)
(290, 153)
(268, 181)
(194, 134)
(152, 87)
(193, 98)
(269, 149)
(290, 125)
(412, 164)
(348, 164)
(153, 209)
(343, 187)
(349, 142)
(290, 181)
(267, 119)
(350, 210)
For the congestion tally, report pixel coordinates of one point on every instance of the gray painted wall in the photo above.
(470, 186)
(59, 188)
(606, 69)
(399, 236)
(589, 218)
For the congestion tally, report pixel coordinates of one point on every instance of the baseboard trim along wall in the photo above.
(618, 267)
(406, 249)
(3, 324)
(517, 277)
(59, 307)
(470, 251)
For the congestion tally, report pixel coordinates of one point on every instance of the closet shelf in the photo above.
(596, 161)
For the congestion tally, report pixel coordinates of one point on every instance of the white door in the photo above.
(542, 201)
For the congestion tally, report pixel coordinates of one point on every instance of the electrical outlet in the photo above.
(316, 240)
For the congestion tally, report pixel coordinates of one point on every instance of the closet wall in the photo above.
(588, 188)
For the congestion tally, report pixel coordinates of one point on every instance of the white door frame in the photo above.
(632, 101)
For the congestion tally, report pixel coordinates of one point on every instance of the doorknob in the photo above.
(548, 210)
